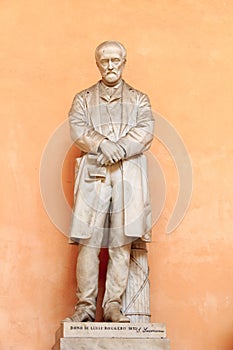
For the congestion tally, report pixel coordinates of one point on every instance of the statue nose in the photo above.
(110, 65)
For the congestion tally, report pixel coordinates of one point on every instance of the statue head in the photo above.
(110, 59)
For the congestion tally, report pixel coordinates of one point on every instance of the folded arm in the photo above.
(139, 137)
(84, 135)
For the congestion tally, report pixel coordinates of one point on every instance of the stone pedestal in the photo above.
(108, 336)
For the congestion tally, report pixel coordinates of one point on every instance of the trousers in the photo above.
(87, 274)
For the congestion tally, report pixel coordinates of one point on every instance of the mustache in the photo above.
(111, 72)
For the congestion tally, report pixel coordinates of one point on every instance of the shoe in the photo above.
(113, 314)
(79, 316)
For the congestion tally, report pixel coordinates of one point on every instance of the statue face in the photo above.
(111, 64)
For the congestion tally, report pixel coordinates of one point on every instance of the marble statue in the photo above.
(112, 124)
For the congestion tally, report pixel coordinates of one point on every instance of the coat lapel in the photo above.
(92, 105)
(129, 112)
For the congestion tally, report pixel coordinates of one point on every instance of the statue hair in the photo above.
(106, 43)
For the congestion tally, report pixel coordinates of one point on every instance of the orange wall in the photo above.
(180, 53)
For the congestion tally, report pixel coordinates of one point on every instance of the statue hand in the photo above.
(103, 160)
(110, 153)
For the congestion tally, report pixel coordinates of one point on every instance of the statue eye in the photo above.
(115, 60)
(104, 61)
